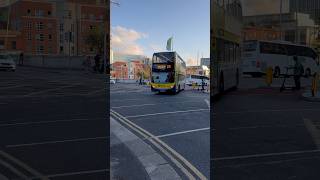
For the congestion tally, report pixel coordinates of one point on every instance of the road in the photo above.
(53, 125)
(180, 121)
(260, 133)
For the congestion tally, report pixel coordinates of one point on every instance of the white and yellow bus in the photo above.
(226, 26)
(168, 72)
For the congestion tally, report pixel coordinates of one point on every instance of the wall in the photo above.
(60, 62)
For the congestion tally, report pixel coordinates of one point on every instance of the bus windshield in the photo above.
(162, 77)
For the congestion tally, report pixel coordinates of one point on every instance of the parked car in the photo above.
(7, 63)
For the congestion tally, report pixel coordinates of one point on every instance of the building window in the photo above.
(29, 12)
(61, 38)
(39, 12)
(40, 37)
(1, 44)
(91, 16)
(29, 25)
(49, 50)
(39, 26)
(29, 36)
(72, 50)
(14, 45)
(92, 27)
(61, 27)
(40, 49)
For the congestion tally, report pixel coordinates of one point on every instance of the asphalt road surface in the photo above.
(181, 121)
(53, 125)
(260, 133)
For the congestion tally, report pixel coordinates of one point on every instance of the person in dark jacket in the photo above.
(297, 72)
(97, 62)
(21, 59)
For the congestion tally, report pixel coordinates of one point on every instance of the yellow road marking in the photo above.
(158, 143)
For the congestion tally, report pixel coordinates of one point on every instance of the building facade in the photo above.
(297, 28)
(311, 7)
(55, 26)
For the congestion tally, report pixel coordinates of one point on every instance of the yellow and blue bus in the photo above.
(168, 72)
(226, 26)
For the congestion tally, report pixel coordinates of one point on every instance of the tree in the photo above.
(95, 39)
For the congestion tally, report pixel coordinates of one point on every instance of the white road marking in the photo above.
(23, 165)
(54, 142)
(314, 131)
(9, 87)
(45, 122)
(208, 102)
(48, 90)
(75, 173)
(268, 110)
(183, 132)
(171, 112)
(139, 105)
(265, 155)
(13, 169)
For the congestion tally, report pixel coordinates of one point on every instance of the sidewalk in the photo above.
(308, 96)
(132, 158)
(123, 164)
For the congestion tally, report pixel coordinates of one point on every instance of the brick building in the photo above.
(36, 22)
(120, 70)
(56, 26)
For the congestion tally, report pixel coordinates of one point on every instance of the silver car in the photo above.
(7, 63)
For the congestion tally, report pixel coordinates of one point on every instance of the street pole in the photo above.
(281, 38)
(8, 22)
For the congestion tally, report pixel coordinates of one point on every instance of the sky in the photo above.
(255, 7)
(144, 26)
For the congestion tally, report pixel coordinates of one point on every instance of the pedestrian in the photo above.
(140, 81)
(87, 64)
(202, 84)
(21, 59)
(298, 71)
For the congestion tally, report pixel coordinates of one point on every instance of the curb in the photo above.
(156, 167)
(308, 97)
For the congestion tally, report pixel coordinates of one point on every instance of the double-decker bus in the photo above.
(226, 26)
(168, 72)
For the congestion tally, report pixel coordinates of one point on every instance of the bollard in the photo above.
(269, 75)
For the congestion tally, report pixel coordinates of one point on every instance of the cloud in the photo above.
(124, 40)
(156, 48)
(255, 7)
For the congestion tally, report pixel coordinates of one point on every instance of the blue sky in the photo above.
(144, 26)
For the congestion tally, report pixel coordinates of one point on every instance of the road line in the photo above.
(13, 169)
(23, 165)
(265, 155)
(208, 102)
(48, 90)
(268, 110)
(183, 132)
(168, 151)
(172, 112)
(46, 122)
(54, 142)
(139, 105)
(314, 131)
(2, 88)
(75, 173)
